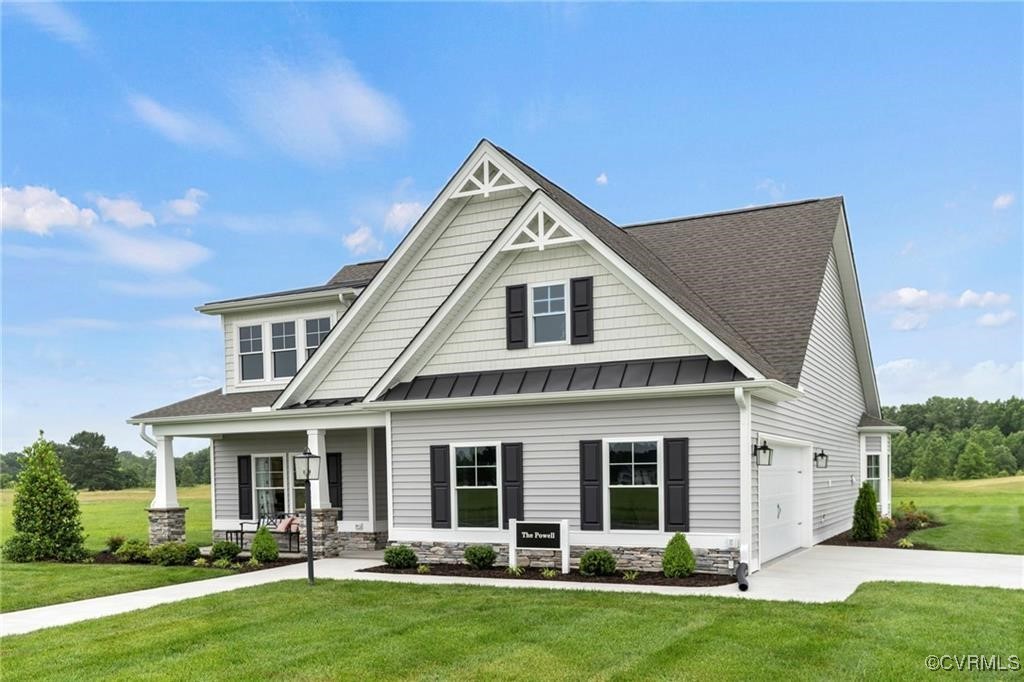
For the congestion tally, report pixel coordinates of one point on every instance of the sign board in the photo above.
(538, 535)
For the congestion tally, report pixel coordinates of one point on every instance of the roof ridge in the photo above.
(733, 211)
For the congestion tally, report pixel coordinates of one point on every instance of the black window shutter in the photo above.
(677, 484)
(582, 309)
(440, 487)
(245, 486)
(512, 481)
(591, 486)
(334, 480)
(515, 316)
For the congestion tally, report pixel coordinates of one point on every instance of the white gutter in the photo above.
(881, 429)
(143, 435)
(742, 398)
(220, 308)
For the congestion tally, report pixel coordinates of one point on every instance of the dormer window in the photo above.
(548, 313)
(282, 336)
(316, 331)
(250, 352)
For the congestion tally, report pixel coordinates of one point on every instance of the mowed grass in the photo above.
(986, 515)
(104, 513)
(360, 631)
(123, 512)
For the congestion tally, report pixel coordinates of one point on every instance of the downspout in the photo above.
(145, 436)
(746, 474)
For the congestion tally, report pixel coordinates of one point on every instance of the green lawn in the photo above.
(981, 516)
(123, 512)
(355, 630)
(26, 586)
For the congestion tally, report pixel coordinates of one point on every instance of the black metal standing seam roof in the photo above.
(324, 402)
(693, 369)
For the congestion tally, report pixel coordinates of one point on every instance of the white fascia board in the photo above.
(368, 303)
(843, 250)
(266, 422)
(276, 301)
(881, 429)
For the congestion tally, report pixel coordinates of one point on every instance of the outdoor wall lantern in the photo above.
(307, 470)
(820, 460)
(763, 454)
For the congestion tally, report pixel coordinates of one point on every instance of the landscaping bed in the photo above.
(107, 557)
(642, 577)
(890, 540)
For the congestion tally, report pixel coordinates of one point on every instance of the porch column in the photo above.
(166, 518)
(320, 493)
(371, 492)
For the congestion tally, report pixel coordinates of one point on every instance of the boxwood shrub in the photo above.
(133, 552)
(400, 556)
(480, 557)
(264, 546)
(174, 554)
(678, 561)
(224, 550)
(597, 562)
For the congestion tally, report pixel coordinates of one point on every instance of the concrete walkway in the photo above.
(819, 574)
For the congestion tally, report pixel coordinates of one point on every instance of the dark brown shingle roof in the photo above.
(357, 274)
(214, 402)
(868, 420)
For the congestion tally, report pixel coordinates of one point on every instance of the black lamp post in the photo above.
(307, 469)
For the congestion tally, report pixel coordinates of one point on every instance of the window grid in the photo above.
(250, 351)
(630, 468)
(316, 331)
(549, 313)
(282, 339)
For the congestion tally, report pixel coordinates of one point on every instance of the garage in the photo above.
(783, 496)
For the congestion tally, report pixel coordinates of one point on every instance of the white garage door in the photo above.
(781, 500)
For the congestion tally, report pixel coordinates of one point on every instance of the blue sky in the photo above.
(157, 156)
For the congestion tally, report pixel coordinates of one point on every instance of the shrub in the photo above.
(400, 556)
(480, 557)
(423, 569)
(549, 572)
(225, 550)
(908, 515)
(264, 546)
(905, 543)
(200, 562)
(114, 542)
(866, 526)
(133, 552)
(678, 561)
(221, 563)
(47, 520)
(517, 571)
(252, 563)
(597, 562)
(887, 525)
(630, 576)
(174, 554)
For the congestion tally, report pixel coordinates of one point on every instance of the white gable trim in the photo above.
(397, 267)
(538, 231)
(843, 250)
(487, 269)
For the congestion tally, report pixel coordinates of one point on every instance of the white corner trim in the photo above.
(747, 555)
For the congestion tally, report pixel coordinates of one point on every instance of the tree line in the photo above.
(89, 463)
(958, 438)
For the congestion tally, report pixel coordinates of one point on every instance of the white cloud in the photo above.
(187, 207)
(39, 209)
(996, 319)
(1004, 200)
(55, 20)
(911, 380)
(775, 190)
(185, 129)
(160, 255)
(127, 212)
(321, 114)
(602, 179)
(362, 240)
(190, 322)
(61, 326)
(907, 249)
(911, 298)
(972, 299)
(173, 287)
(905, 322)
(401, 215)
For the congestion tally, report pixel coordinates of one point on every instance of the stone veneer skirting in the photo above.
(327, 541)
(166, 525)
(629, 558)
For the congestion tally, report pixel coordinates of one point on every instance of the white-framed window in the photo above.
(873, 463)
(282, 339)
(549, 319)
(634, 483)
(270, 485)
(316, 331)
(477, 472)
(250, 352)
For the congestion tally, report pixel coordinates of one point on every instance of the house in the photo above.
(519, 356)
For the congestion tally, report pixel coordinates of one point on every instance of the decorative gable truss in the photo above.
(486, 178)
(539, 230)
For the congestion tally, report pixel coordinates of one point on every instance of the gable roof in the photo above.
(214, 402)
(761, 269)
(357, 274)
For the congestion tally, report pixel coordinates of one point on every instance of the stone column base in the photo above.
(327, 540)
(166, 525)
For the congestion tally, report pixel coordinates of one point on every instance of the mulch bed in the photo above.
(106, 557)
(643, 577)
(890, 540)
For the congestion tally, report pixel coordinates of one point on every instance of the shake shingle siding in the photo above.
(829, 414)
(550, 435)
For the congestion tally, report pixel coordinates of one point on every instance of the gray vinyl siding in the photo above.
(829, 413)
(550, 435)
(431, 280)
(351, 443)
(625, 327)
(380, 474)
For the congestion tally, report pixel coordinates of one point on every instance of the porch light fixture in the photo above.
(763, 454)
(307, 469)
(820, 460)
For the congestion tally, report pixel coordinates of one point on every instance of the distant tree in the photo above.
(186, 478)
(931, 459)
(198, 461)
(973, 463)
(11, 464)
(1002, 460)
(1015, 441)
(139, 470)
(89, 463)
(903, 454)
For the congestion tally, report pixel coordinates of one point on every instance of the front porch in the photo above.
(253, 484)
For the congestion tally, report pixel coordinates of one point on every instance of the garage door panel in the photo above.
(780, 502)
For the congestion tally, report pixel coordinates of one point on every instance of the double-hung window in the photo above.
(282, 337)
(476, 486)
(250, 352)
(316, 331)
(633, 485)
(873, 462)
(270, 486)
(548, 313)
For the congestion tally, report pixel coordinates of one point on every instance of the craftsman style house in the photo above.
(519, 356)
